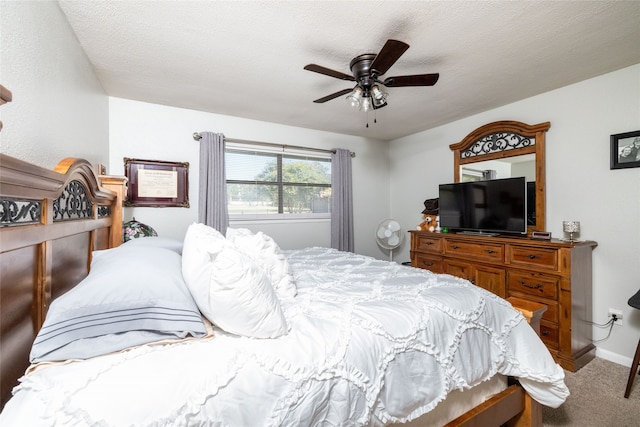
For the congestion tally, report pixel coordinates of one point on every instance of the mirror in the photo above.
(502, 150)
(524, 165)
(509, 167)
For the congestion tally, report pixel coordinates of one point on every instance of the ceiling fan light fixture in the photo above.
(365, 104)
(378, 97)
(379, 94)
(355, 97)
(378, 104)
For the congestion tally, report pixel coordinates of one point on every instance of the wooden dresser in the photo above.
(554, 273)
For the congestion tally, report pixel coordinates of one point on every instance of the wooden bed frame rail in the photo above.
(512, 407)
(50, 222)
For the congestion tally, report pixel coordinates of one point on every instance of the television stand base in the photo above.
(478, 233)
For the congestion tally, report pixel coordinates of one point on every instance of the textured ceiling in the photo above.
(246, 58)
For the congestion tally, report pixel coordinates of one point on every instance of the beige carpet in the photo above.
(597, 398)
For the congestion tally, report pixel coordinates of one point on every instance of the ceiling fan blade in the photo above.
(332, 96)
(415, 80)
(328, 72)
(390, 53)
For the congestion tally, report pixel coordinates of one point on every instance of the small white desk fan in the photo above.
(389, 235)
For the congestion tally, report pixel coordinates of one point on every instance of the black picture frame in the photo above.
(621, 143)
(154, 183)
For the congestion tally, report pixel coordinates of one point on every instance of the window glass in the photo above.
(266, 183)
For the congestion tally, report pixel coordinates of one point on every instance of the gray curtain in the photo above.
(341, 201)
(212, 194)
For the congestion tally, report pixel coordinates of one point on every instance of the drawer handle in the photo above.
(546, 333)
(428, 264)
(490, 251)
(455, 246)
(533, 256)
(429, 243)
(523, 283)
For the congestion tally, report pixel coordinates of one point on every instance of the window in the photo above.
(285, 185)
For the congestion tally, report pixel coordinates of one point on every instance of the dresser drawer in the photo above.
(549, 334)
(482, 251)
(431, 263)
(536, 284)
(461, 269)
(539, 257)
(551, 314)
(428, 244)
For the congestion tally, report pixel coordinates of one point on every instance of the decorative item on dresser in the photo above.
(571, 227)
(551, 272)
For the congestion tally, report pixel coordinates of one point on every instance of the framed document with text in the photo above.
(154, 183)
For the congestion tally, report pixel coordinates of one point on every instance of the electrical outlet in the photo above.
(618, 314)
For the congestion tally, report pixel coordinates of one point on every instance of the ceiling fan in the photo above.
(366, 71)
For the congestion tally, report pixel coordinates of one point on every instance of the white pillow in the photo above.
(266, 252)
(231, 290)
(158, 242)
(134, 295)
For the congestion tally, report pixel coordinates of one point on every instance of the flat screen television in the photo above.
(484, 207)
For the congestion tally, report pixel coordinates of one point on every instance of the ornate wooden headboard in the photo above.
(50, 222)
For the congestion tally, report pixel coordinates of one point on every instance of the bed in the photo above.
(262, 336)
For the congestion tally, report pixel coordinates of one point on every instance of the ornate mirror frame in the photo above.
(502, 139)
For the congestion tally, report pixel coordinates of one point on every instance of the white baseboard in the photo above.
(613, 357)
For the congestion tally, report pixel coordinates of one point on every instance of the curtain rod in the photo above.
(197, 137)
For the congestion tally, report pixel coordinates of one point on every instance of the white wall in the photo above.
(155, 132)
(59, 108)
(580, 185)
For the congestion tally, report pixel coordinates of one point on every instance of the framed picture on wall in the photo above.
(625, 150)
(154, 183)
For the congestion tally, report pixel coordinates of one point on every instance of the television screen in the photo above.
(493, 206)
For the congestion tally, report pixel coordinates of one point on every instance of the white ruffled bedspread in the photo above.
(370, 342)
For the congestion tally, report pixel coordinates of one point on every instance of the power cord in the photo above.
(609, 324)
